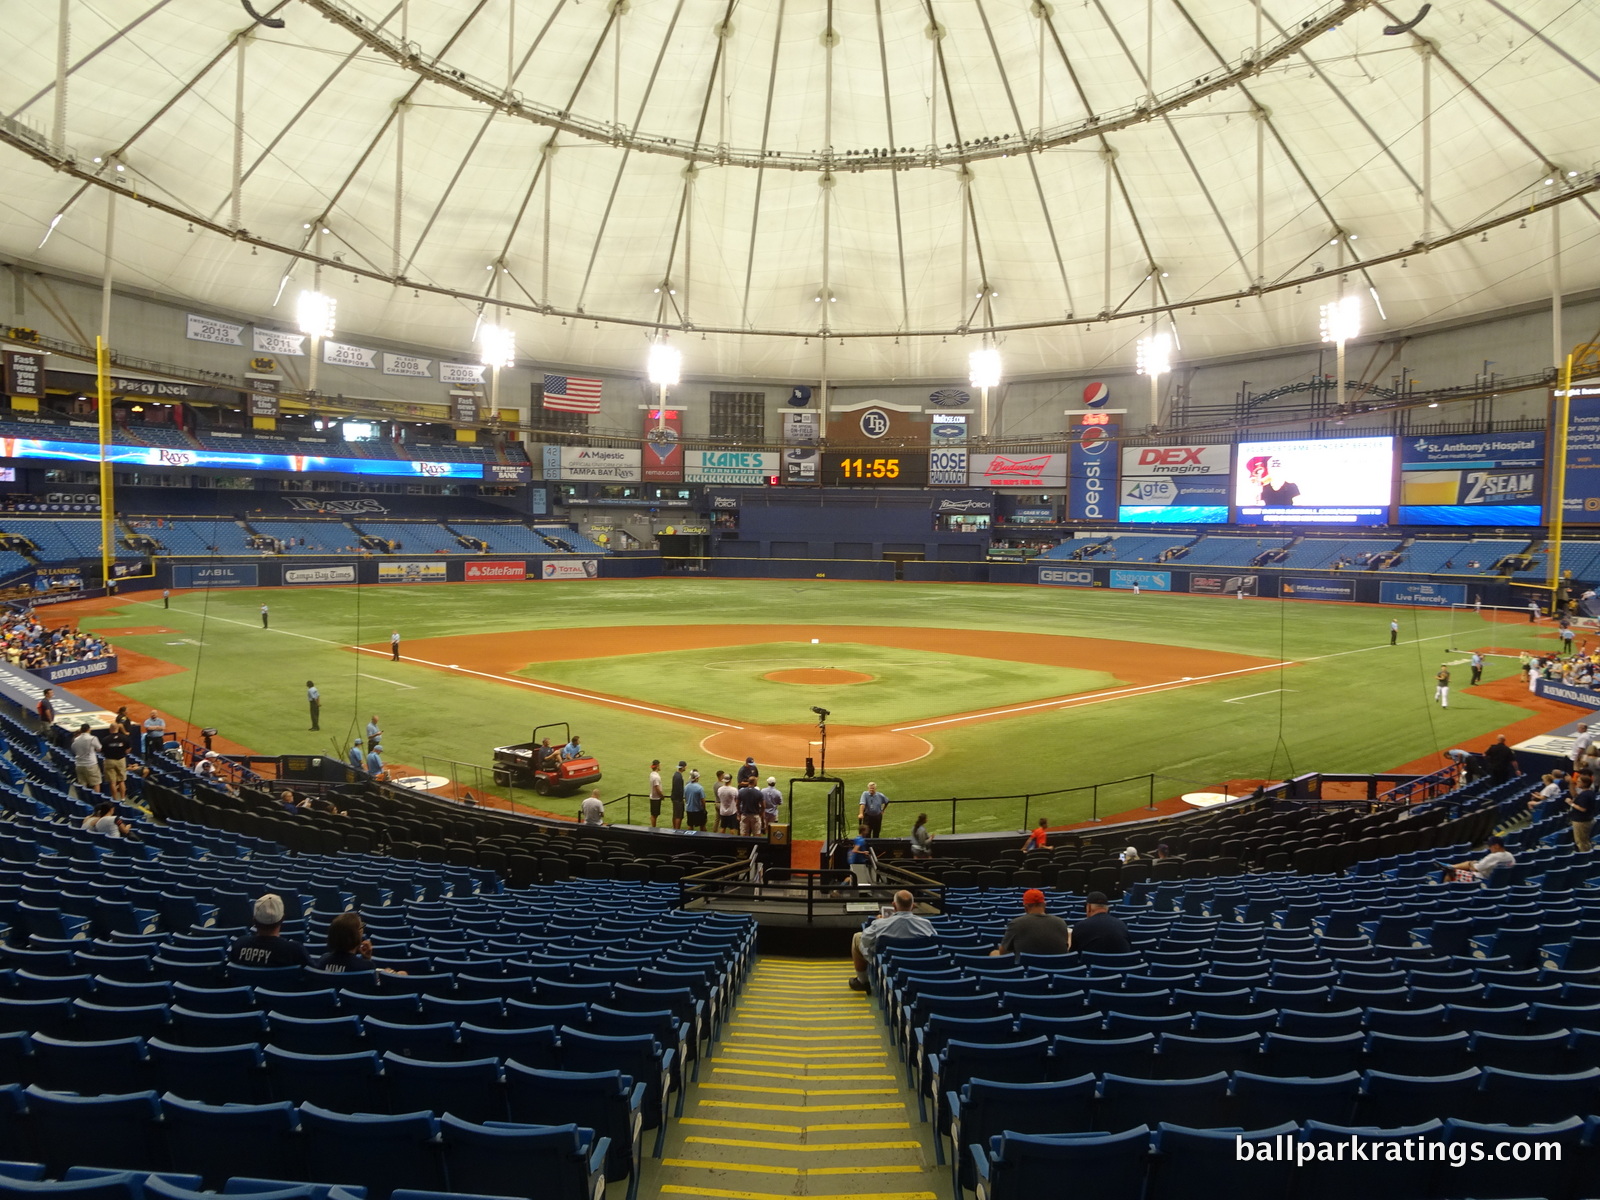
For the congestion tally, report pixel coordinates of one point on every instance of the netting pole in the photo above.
(1558, 489)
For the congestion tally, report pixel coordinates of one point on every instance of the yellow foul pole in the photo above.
(108, 549)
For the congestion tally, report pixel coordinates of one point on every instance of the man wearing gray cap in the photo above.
(265, 947)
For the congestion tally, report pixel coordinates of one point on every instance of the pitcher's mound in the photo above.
(789, 745)
(817, 675)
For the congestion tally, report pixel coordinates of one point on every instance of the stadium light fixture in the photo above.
(497, 347)
(314, 314)
(1153, 357)
(665, 365)
(983, 371)
(1341, 321)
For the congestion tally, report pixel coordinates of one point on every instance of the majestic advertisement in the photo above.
(498, 572)
(1221, 584)
(580, 568)
(1066, 576)
(1422, 595)
(663, 445)
(750, 467)
(1147, 581)
(1332, 481)
(185, 575)
(1187, 484)
(1581, 504)
(1472, 479)
(1318, 589)
(585, 462)
(411, 572)
(303, 575)
(1091, 495)
(1036, 471)
(172, 457)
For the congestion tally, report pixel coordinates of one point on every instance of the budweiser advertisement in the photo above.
(484, 572)
(1035, 471)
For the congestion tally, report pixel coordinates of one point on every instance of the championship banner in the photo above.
(663, 446)
(339, 354)
(24, 374)
(406, 365)
(411, 572)
(209, 329)
(270, 341)
(467, 373)
(1472, 479)
(1187, 484)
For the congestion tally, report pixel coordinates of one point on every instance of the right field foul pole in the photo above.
(1558, 485)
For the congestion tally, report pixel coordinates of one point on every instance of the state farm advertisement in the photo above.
(484, 572)
(1175, 483)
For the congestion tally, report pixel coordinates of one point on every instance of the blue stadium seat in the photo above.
(1516, 1176)
(315, 1035)
(469, 1090)
(1413, 1054)
(1207, 1164)
(209, 1074)
(536, 1047)
(561, 1162)
(222, 1140)
(343, 1082)
(1527, 1098)
(380, 1153)
(435, 1041)
(123, 1128)
(1026, 1166)
(1336, 1175)
(607, 1101)
(640, 1057)
(1200, 1102)
(1182, 1057)
(984, 1109)
(1259, 1100)
(114, 1185)
(115, 1065)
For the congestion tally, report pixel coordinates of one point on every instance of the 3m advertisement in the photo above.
(1148, 581)
(86, 669)
(411, 572)
(1223, 585)
(1036, 471)
(1472, 479)
(947, 468)
(582, 568)
(1066, 576)
(1332, 481)
(1091, 494)
(1423, 595)
(501, 572)
(1318, 589)
(1581, 503)
(1175, 483)
(174, 458)
(305, 575)
(729, 466)
(663, 445)
(586, 462)
(185, 575)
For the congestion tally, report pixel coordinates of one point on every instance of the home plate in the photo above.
(421, 783)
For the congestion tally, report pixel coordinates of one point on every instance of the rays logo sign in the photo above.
(1095, 395)
(874, 422)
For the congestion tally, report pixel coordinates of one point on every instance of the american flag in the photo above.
(568, 393)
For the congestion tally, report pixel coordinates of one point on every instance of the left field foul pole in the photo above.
(102, 375)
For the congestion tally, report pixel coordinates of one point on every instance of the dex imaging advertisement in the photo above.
(1344, 481)
(1175, 483)
(1472, 479)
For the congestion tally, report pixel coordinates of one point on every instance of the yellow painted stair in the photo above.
(802, 1096)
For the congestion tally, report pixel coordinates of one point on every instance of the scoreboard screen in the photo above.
(875, 468)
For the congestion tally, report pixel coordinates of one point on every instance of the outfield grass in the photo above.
(1350, 702)
(906, 685)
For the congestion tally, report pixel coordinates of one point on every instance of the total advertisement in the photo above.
(1175, 483)
(411, 572)
(1331, 481)
(175, 457)
(1036, 471)
(1472, 479)
(663, 445)
(750, 467)
(497, 572)
(1423, 595)
(1318, 589)
(331, 574)
(1091, 495)
(580, 568)
(586, 462)
(1066, 576)
(1581, 501)
(186, 575)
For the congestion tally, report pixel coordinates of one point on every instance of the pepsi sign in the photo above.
(1095, 395)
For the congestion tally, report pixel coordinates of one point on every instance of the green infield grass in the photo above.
(1347, 702)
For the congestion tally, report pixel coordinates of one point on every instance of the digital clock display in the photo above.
(846, 469)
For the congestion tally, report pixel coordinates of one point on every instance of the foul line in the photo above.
(1253, 695)
(410, 687)
(426, 662)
